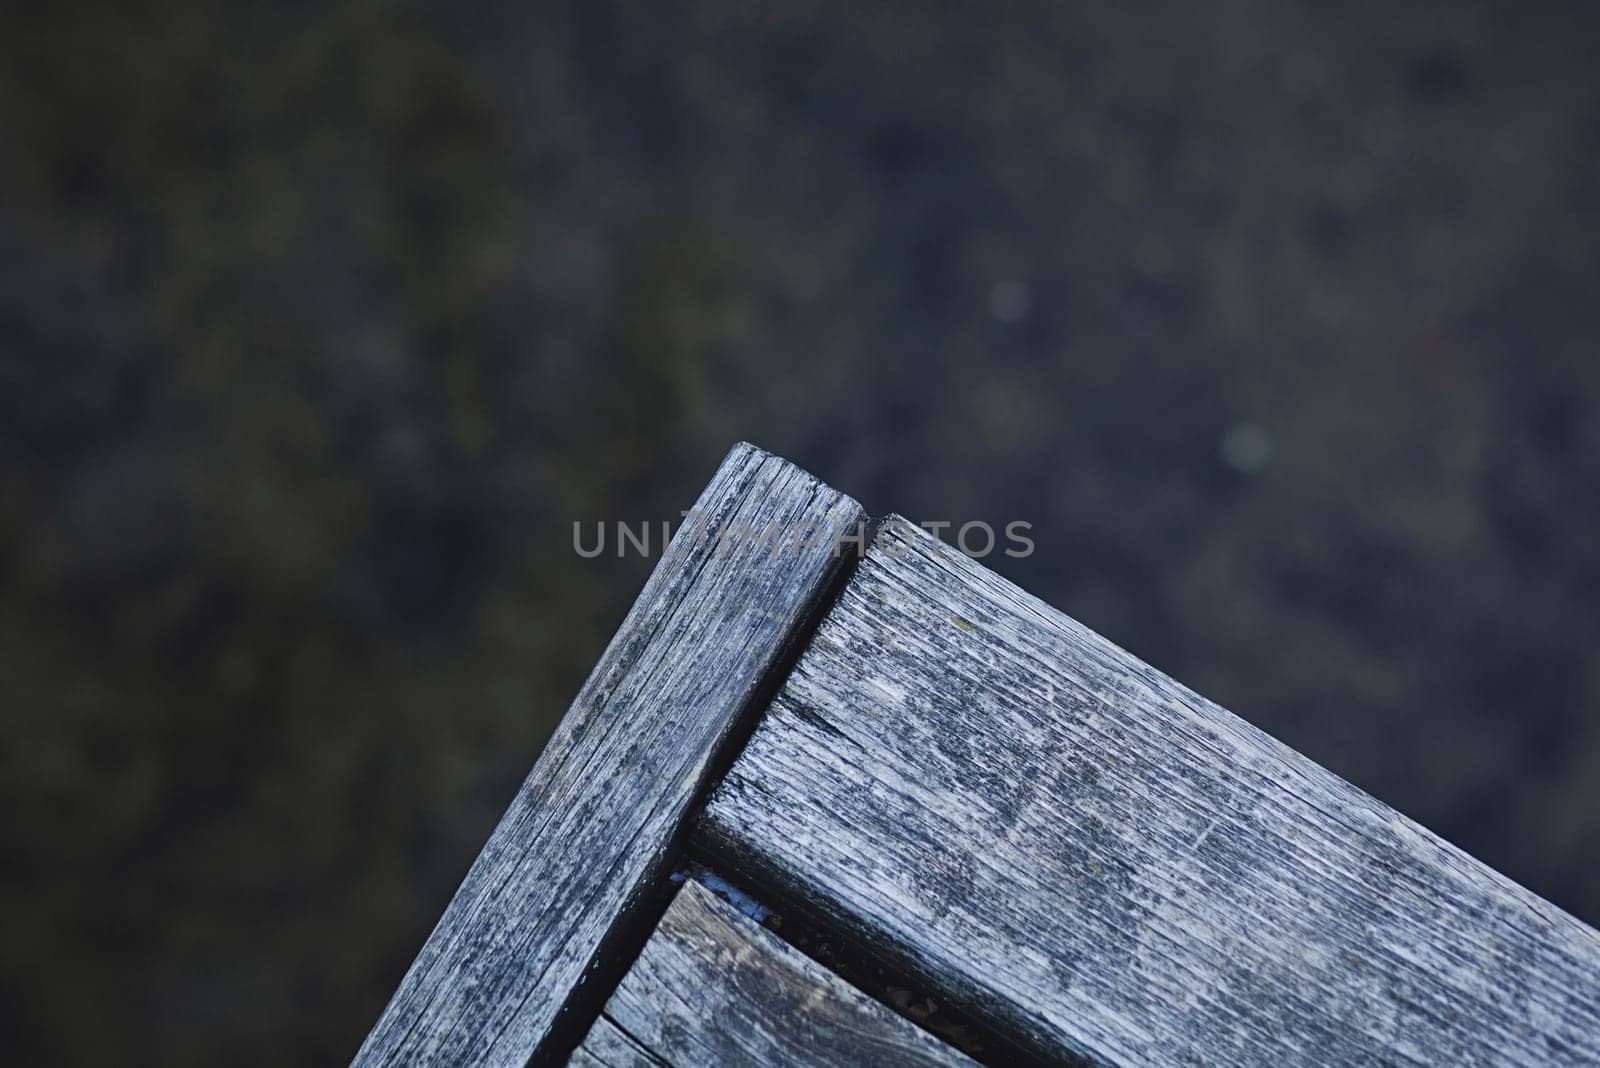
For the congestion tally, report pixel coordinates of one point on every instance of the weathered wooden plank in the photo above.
(587, 834)
(608, 1046)
(1113, 868)
(714, 987)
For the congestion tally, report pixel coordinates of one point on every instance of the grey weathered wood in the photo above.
(587, 834)
(714, 987)
(1111, 867)
(608, 1046)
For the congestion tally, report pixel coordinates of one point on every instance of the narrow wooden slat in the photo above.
(586, 836)
(714, 987)
(1112, 868)
(608, 1046)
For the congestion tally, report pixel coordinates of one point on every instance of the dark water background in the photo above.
(321, 323)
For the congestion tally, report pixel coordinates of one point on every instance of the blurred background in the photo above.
(320, 324)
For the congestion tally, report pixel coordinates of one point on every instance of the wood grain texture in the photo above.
(586, 836)
(608, 1046)
(1113, 868)
(713, 987)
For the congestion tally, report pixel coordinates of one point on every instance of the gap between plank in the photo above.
(617, 953)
